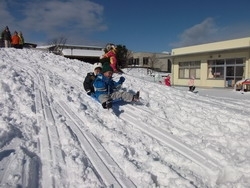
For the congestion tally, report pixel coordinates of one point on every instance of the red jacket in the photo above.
(113, 61)
(167, 81)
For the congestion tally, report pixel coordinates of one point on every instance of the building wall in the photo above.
(90, 54)
(225, 52)
(160, 60)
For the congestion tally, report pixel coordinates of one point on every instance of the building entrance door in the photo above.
(230, 76)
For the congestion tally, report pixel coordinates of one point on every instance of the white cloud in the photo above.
(208, 31)
(71, 18)
(198, 33)
(56, 14)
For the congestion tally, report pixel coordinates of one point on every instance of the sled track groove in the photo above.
(97, 154)
(50, 146)
(211, 168)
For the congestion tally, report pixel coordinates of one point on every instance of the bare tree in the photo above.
(152, 61)
(129, 55)
(58, 45)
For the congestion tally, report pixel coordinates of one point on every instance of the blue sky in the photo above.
(142, 26)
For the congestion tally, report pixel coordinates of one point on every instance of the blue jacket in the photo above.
(104, 85)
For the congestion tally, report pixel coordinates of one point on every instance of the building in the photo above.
(218, 64)
(90, 54)
(155, 61)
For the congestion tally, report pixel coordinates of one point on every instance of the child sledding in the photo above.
(106, 90)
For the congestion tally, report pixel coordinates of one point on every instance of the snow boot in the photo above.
(136, 96)
(107, 104)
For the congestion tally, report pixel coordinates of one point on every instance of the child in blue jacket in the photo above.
(106, 89)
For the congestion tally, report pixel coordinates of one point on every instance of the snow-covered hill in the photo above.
(53, 135)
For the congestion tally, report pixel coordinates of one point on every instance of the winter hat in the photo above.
(110, 46)
(106, 67)
(97, 65)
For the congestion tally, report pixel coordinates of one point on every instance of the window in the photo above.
(230, 61)
(229, 68)
(188, 69)
(239, 61)
(136, 61)
(133, 61)
(216, 69)
(145, 60)
(130, 61)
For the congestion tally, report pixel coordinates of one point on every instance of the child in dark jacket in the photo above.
(90, 78)
(106, 88)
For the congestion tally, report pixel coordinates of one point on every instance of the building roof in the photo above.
(215, 46)
(78, 50)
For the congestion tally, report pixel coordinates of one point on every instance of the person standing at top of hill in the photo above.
(21, 39)
(111, 54)
(15, 40)
(6, 37)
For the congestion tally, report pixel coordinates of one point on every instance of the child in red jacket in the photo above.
(167, 81)
(111, 48)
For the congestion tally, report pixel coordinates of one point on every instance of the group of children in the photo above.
(191, 85)
(16, 40)
(99, 84)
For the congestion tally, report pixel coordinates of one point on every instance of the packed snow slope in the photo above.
(53, 135)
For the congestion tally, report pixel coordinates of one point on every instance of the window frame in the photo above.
(189, 68)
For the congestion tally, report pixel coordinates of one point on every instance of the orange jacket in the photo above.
(15, 39)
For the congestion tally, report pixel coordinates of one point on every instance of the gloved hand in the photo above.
(88, 92)
(122, 79)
